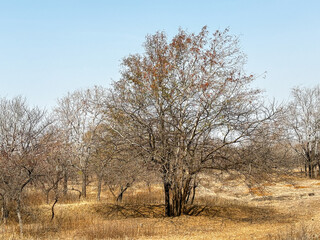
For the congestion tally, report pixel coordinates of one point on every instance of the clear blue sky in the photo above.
(49, 48)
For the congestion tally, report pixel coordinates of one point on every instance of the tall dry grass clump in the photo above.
(115, 230)
(300, 232)
(84, 219)
(144, 196)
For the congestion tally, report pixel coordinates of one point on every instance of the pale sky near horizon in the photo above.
(49, 48)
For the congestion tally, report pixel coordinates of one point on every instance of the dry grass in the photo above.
(33, 197)
(84, 220)
(288, 185)
(295, 186)
(259, 191)
(298, 187)
(84, 227)
(268, 184)
(241, 211)
(141, 216)
(132, 219)
(142, 196)
(300, 232)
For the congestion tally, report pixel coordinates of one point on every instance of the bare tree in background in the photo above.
(124, 170)
(54, 162)
(304, 126)
(181, 103)
(115, 162)
(266, 154)
(104, 152)
(80, 114)
(21, 131)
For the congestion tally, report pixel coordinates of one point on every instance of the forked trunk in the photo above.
(176, 198)
(177, 203)
(122, 190)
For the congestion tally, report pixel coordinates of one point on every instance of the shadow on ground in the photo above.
(237, 213)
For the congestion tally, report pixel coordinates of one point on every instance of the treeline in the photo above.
(182, 107)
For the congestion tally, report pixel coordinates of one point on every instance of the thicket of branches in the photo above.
(182, 107)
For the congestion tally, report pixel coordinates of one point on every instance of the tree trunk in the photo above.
(190, 191)
(309, 168)
(305, 169)
(84, 184)
(99, 187)
(52, 208)
(166, 186)
(122, 190)
(65, 182)
(176, 197)
(119, 198)
(177, 202)
(4, 210)
(193, 191)
(19, 217)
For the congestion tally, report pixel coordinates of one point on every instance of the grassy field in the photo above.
(273, 211)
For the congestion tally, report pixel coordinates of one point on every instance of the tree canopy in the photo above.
(182, 102)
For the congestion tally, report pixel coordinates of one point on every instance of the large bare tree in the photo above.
(304, 126)
(181, 103)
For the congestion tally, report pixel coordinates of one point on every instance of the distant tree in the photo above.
(79, 115)
(182, 102)
(124, 170)
(266, 154)
(53, 162)
(21, 131)
(304, 126)
(115, 162)
(104, 152)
